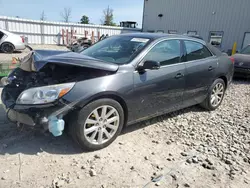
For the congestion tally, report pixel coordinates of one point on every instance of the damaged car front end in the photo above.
(35, 93)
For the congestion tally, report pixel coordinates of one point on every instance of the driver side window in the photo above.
(166, 52)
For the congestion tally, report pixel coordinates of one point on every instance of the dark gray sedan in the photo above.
(242, 63)
(119, 81)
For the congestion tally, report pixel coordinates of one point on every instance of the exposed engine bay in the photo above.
(20, 80)
(26, 76)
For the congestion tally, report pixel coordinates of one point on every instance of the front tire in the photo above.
(97, 124)
(215, 95)
(7, 48)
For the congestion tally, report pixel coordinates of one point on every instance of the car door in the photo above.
(160, 91)
(200, 71)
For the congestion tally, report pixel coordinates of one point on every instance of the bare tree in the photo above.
(108, 17)
(43, 16)
(66, 14)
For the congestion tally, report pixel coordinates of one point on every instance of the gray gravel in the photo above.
(223, 133)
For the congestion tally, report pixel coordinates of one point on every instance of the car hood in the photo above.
(44, 57)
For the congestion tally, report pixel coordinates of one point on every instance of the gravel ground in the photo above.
(187, 148)
(6, 58)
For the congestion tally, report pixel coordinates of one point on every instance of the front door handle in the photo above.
(210, 68)
(179, 75)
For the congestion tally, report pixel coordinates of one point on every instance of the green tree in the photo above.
(84, 19)
(108, 17)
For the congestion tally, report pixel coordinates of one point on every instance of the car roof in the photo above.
(155, 36)
(5, 31)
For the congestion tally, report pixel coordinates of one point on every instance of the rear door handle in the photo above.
(210, 68)
(179, 75)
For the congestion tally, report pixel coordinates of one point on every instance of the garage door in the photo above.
(246, 40)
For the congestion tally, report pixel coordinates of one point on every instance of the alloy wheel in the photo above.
(217, 94)
(101, 124)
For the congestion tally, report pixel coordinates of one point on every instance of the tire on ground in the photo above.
(77, 121)
(11, 47)
(207, 102)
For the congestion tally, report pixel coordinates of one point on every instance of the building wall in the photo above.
(46, 32)
(230, 16)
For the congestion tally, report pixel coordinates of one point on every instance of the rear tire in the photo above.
(215, 95)
(97, 124)
(7, 48)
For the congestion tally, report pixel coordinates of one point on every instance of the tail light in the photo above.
(22, 37)
(232, 59)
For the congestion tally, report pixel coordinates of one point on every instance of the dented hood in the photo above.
(44, 57)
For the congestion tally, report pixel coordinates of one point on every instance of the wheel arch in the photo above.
(110, 95)
(224, 78)
(7, 42)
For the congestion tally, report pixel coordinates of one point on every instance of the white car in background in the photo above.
(9, 42)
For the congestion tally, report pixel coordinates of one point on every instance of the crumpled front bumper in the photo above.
(34, 115)
(15, 116)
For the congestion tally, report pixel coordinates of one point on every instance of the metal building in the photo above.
(220, 22)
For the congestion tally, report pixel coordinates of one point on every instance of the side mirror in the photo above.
(151, 65)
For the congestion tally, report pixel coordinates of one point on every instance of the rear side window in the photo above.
(196, 51)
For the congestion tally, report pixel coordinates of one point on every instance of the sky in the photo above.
(124, 10)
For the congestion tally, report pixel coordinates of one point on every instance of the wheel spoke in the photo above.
(212, 100)
(110, 113)
(216, 101)
(113, 119)
(107, 133)
(95, 112)
(113, 127)
(91, 121)
(216, 88)
(220, 87)
(219, 98)
(220, 93)
(104, 111)
(93, 135)
(90, 130)
(100, 136)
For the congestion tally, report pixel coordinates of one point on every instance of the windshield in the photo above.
(117, 49)
(246, 50)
